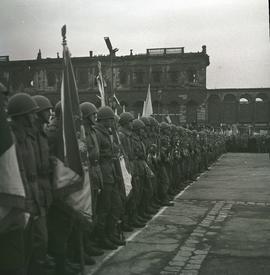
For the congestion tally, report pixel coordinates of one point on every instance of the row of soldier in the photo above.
(161, 158)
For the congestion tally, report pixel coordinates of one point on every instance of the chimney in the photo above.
(58, 55)
(131, 52)
(91, 53)
(204, 49)
(39, 55)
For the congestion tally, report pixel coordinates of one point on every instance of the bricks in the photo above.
(188, 259)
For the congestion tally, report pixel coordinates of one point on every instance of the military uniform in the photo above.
(25, 147)
(110, 207)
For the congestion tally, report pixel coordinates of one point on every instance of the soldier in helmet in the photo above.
(21, 109)
(165, 157)
(110, 204)
(12, 252)
(44, 171)
(60, 223)
(89, 114)
(125, 135)
(142, 174)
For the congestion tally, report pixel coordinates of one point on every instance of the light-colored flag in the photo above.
(100, 82)
(12, 193)
(147, 106)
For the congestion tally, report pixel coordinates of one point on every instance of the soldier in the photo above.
(165, 158)
(21, 109)
(125, 135)
(110, 204)
(89, 114)
(142, 173)
(152, 159)
(44, 172)
(60, 222)
(12, 252)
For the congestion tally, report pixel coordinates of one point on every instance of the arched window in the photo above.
(243, 100)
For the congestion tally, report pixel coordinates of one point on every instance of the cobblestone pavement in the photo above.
(219, 225)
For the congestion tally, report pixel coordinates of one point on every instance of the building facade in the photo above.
(177, 79)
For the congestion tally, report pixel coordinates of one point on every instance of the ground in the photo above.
(220, 224)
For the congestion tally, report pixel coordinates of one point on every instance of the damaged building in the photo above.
(177, 78)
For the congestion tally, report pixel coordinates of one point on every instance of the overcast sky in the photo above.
(235, 32)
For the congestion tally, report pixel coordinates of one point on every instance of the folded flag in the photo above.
(12, 193)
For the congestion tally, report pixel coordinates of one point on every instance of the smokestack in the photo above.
(91, 53)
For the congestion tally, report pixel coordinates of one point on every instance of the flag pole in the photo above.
(80, 226)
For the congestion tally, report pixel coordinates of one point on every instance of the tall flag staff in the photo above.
(72, 181)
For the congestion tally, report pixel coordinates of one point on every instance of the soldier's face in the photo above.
(129, 125)
(93, 118)
(45, 115)
(28, 120)
(108, 123)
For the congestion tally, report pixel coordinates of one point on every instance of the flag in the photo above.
(116, 99)
(168, 118)
(12, 193)
(71, 171)
(147, 107)
(100, 83)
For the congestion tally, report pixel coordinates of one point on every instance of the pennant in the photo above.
(12, 193)
(147, 106)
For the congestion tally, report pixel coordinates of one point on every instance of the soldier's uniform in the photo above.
(20, 108)
(164, 171)
(44, 172)
(125, 136)
(12, 253)
(60, 222)
(110, 204)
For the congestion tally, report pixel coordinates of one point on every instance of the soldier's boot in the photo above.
(89, 260)
(127, 227)
(150, 210)
(93, 251)
(63, 268)
(104, 242)
(115, 240)
(137, 223)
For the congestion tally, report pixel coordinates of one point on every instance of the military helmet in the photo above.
(87, 109)
(57, 109)
(42, 102)
(137, 124)
(153, 122)
(164, 126)
(21, 104)
(105, 113)
(145, 120)
(125, 118)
